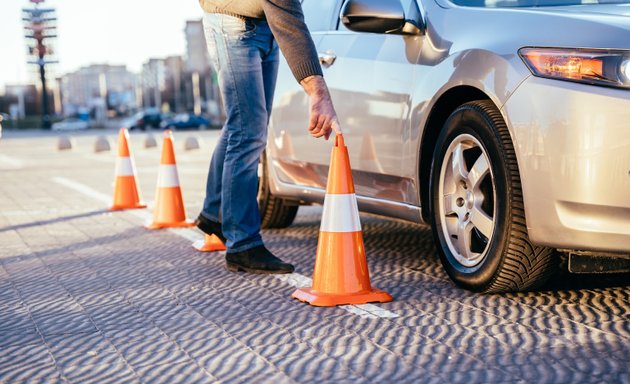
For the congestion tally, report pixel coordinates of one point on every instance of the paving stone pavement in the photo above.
(90, 296)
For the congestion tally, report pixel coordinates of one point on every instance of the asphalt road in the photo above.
(90, 296)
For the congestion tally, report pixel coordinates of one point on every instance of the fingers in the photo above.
(317, 125)
(323, 119)
(322, 127)
(327, 135)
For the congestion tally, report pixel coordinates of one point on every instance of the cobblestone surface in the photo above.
(89, 296)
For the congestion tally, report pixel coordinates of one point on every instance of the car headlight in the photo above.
(591, 66)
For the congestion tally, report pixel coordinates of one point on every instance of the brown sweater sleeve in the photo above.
(286, 21)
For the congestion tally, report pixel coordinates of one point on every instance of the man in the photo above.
(243, 38)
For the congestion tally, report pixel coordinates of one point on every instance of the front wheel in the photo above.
(275, 212)
(478, 215)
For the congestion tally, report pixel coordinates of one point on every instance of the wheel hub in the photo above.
(467, 227)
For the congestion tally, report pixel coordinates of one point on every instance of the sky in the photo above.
(125, 32)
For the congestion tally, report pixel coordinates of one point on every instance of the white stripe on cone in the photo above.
(125, 167)
(341, 213)
(168, 176)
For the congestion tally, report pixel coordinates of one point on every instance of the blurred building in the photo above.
(201, 82)
(20, 101)
(99, 89)
(153, 82)
(174, 84)
(182, 84)
(196, 51)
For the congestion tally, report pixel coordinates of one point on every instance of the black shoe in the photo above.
(210, 227)
(256, 260)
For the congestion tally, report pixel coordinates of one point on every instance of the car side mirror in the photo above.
(379, 16)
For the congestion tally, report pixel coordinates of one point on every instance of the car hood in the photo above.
(612, 14)
(505, 30)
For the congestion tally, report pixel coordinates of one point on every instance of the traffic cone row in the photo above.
(169, 208)
(341, 273)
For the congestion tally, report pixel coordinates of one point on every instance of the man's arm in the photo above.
(286, 21)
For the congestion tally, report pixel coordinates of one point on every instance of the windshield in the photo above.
(532, 3)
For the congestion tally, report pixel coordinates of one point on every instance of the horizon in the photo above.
(122, 33)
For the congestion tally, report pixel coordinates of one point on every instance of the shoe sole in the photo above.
(239, 268)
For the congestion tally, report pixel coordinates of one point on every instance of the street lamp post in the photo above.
(40, 27)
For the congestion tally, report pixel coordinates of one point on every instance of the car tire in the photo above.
(478, 216)
(275, 212)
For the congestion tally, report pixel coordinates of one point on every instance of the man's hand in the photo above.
(323, 118)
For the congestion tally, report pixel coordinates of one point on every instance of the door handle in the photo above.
(327, 59)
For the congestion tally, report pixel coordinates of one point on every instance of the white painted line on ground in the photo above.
(145, 216)
(84, 189)
(365, 310)
(8, 162)
(102, 158)
(187, 233)
(293, 279)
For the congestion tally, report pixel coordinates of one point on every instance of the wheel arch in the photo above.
(441, 110)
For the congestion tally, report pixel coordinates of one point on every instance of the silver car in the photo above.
(505, 124)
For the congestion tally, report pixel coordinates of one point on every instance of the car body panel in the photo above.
(385, 88)
(576, 156)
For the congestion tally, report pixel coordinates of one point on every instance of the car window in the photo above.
(318, 14)
(531, 3)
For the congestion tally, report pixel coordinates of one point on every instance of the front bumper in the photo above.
(572, 143)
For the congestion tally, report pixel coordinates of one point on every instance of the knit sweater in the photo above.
(286, 21)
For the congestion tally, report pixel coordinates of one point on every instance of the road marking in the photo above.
(84, 189)
(8, 162)
(294, 279)
(104, 158)
(363, 310)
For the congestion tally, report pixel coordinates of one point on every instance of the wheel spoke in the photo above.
(458, 164)
(478, 171)
(464, 230)
(449, 202)
(482, 221)
(452, 225)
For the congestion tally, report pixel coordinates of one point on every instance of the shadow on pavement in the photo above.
(53, 221)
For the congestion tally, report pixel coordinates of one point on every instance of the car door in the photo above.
(370, 79)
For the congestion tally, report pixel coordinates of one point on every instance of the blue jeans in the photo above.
(245, 56)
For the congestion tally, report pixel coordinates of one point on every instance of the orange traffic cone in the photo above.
(341, 274)
(126, 191)
(210, 243)
(169, 205)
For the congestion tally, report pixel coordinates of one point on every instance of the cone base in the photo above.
(123, 207)
(213, 245)
(178, 224)
(318, 299)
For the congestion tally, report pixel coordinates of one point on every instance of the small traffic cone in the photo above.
(169, 205)
(210, 243)
(341, 274)
(126, 190)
